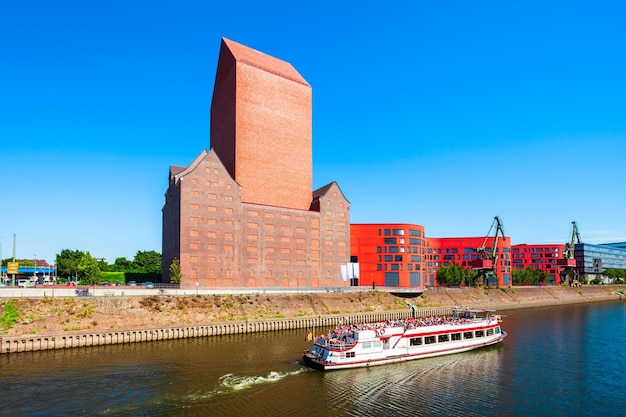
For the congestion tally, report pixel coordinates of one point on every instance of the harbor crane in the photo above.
(569, 273)
(488, 257)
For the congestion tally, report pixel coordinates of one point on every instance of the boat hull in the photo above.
(311, 360)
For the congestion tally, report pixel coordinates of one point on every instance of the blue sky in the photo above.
(442, 114)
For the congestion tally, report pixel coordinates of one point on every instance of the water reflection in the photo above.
(563, 361)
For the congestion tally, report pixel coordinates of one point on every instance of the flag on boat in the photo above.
(309, 335)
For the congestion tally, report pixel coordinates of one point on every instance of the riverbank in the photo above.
(50, 316)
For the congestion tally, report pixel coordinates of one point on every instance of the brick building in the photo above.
(243, 214)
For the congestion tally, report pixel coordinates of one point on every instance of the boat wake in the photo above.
(231, 383)
(237, 383)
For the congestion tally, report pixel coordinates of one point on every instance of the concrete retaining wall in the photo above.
(78, 339)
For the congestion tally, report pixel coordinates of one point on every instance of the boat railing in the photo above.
(335, 344)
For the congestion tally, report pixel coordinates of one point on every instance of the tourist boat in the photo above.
(353, 346)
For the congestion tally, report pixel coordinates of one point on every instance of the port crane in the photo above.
(569, 273)
(488, 257)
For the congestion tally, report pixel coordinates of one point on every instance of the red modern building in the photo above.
(400, 255)
(541, 257)
(391, 255)
(463, 252)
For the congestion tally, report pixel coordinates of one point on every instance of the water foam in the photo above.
(231, 383)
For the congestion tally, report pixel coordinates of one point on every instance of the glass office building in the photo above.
(593, 259)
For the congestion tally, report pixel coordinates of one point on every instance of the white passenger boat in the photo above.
(353, 346)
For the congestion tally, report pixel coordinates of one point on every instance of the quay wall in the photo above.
(432, 302)
(78, 339)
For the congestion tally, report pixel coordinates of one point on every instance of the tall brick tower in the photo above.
(244, 214)
(261, 126)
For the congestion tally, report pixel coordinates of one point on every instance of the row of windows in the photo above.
(394, 241)
(454, 337)
(398, 258)
(465, 250)
(457, 257)
(397, 249)
(532, 250)
(535, 255)
(469, 264)
(398, 267)
(399, 232)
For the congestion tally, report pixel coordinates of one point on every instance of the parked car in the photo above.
(132, 283)
(148, 285)
(24, 283)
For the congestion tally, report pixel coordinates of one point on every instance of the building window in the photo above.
(390, 241)
(388, 258)
(398, 232)
(392, 279)
(398, 258)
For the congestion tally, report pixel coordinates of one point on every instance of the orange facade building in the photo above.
(541, 257)
(390, 255)
(244, 214)
(400, 255)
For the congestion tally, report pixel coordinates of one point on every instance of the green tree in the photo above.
(121, 265)
(67, 262)
(89, 269)
(530, 275)
(453, 275)
(616, 276)
(175, 274)
(148, 261)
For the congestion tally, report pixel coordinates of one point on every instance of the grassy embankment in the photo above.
(55, 315)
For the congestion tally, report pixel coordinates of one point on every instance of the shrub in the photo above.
(10, 316)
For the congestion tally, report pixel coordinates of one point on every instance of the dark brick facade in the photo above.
(245, 216)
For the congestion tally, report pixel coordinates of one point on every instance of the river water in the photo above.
(557, 361)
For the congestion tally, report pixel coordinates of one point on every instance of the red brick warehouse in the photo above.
(243, 214)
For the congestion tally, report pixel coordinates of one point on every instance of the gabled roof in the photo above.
(320, 192)
(174, 169)
(176, 172)
(263, 61)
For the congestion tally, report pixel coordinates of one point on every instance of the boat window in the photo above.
(367, 345)
(429, 340)
(349, 354)
(468, 335)
(456, 336)
(342, 355)
(497, 330)
(378, 344)
(444, 338)
(480, 333)
(489, 332)
(416, 341)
